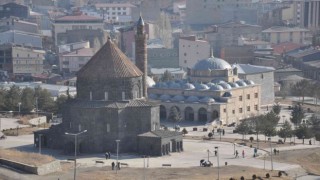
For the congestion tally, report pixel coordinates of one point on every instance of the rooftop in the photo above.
(81, 17)
(252, 69)
(85, 52)
(103, 5)
(284, 29)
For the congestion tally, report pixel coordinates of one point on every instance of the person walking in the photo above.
(237, 154)
(242, 153)
(112, 164)
(223, 132)
(106, 154)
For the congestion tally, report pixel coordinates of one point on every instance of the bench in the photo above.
(166, 165)
(99, 162)
(124, 164)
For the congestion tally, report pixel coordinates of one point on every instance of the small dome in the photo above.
(207, 100)
(225, 85)
(165, 97)
(217, 81)
(153, 96)
(227, 94)
(241, 83)
(249, 82)
(234, 85)
(188, 86)
(210, 84)
(161, 85)
(177, 98)
(216, 88)
(202, 87)
(150, 82)
(174, 86)
(212, 63)
(192, 99)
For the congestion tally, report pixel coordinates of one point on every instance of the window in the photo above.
(185, 61)
(256, 107)
(248, 96)
(106, 96)
(240, 110)
(185, 54)
(240, 98)
(261, 76)
(224, 110)
(123, 95)
(248, 108)
(233, 111)
(255, 95)
(108, 127)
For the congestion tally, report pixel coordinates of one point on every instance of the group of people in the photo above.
(113, 165)
(108, 155)
(237, 154)
(275, 151)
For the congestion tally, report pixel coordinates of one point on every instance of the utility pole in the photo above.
(117, 166)
(271, 154)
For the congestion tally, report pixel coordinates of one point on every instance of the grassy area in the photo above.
(23, 131)
(26, 158)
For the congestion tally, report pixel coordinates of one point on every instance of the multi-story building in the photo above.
(71, 62)
(115, 12)
(14, 23)
(280, 34)
(74, 22)
(14, 9)
(21, 61)
(21, 38)
(191, 50)
(306, 13)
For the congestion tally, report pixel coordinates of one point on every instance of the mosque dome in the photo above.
(192, 99)
(174, 85)
(207, 100)
(249, 82)
(241, 83)
(217, 81)
(225, 85)
(227, 94)
(165, 97)
(188, 86)
(216, 88)
(234, 85)
(150, 82)
(202, 87)
(210, 84)
(212, 63)
(178, 98)
(153, 96)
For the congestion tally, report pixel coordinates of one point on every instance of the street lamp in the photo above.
(117, 141)
(75, 149)
(19, 104)
(269, 139)
(217, 148)
(39, 143)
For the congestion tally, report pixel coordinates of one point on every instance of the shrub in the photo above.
(254, 177)
(241, 178)
(251, 139)
(184, 131)
(267, 175)
(210, 135)
(279, 173)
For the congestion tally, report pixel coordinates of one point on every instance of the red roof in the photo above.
(285, 47)
(81, 17)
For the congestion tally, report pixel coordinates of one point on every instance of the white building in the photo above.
(115, 12)
(71, 62)
(192, 50)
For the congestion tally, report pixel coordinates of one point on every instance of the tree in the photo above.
(210, 135)
(314, 124)
(60, 102)
(44, 100)
(276, 108)
(167, 76)
(184, 131)
(12, 98)
(3, 94)
(297, 114)
(269, 124)
(301, 88)
(317, 136)
(286, 131)
(304, 132)
(174, 115)
(243, 128)
(27, 100)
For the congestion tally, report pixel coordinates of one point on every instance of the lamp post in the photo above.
(75, 150)
(208, 154)
(39, 142)
(217, 148)
(271, 154)
(19, 104)
(117, 141)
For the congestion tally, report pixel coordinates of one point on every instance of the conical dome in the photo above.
(110, 62)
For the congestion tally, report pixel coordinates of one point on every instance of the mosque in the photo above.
(213, 93)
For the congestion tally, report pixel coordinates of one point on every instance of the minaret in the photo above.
(141, 53)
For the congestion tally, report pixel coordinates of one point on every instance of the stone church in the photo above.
(111, 104)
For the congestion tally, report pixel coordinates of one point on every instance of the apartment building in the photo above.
(115, 12)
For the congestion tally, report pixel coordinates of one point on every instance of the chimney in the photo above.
(141, 53)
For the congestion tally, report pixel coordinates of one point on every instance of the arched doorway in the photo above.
(163, 112)
(172, 111)
(188, 114)
(215, 115)
(202, 115)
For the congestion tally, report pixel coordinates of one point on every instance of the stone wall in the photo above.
(39, 170)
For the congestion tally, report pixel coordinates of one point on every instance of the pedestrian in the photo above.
(109, 155)
(242, 153)
(106, 154)
(215, 152)
(255, 151)
(237, 153)
(223, 132)
(112, 164)
(275, 151)
(310, 142)
(118, 165)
